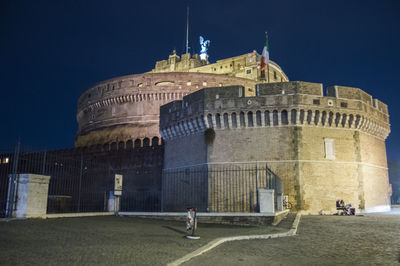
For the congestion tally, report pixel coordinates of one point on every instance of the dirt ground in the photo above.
(109, 240)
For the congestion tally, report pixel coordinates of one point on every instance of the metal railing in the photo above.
(82, 182)
(229, 187)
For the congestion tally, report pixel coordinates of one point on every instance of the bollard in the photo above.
(191, 223)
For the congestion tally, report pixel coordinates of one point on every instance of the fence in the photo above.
(83, 182)
(218, 187)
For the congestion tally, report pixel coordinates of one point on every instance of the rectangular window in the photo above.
(275, 78)
(343, 105)
(248, 71)
(330, 149)
(241, 91)
(316, 102)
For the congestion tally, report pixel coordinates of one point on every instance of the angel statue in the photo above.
(204, 47)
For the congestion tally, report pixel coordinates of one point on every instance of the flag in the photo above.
(265, 55)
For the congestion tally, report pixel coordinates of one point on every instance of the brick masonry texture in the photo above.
(286, 126)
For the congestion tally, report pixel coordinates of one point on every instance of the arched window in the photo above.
(242, 122)
(258, 118)
(309, 116)
(234, 121)
(210, 121)
(358, 119)
(323, 118)
(293, 115)
(250, 119)
(284, 117)
(301, 116)
(114, 146)
(226, 120)
(129, 145)
(154, 141)
(121, 145)
(267, 118)
(344, 116)
(337, 119)
(218, 120)
(330, 119)
(146, 142)
(138, 143)
(316, 118)
(275, 117)
(351, 120)
(202, 121)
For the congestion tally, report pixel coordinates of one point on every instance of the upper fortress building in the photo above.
(125, 109)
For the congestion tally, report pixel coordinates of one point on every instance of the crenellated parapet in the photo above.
(127, 107)
(286, 104)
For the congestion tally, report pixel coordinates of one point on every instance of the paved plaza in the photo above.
(110, 240)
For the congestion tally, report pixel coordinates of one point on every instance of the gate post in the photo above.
(32, 195)
(266, 200)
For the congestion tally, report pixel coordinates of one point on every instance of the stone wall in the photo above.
(324, 148)
(127, 108)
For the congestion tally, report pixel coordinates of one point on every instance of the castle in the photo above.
(323, 144)
(125, 110)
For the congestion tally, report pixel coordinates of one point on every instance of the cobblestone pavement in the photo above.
(321, 240)
(106, 240)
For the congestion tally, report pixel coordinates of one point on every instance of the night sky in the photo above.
(52, 51)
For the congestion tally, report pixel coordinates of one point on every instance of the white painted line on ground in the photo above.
(205, 214)
(219, 241)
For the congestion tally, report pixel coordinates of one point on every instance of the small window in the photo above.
(204, 83)
(240, 91)
(248, 71)
(189, 83)
(343, 105)
(329, 149)
(316, 102)
(275, 75)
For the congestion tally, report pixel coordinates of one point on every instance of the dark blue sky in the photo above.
(51, 51)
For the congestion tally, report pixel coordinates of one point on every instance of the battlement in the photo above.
(277, 104)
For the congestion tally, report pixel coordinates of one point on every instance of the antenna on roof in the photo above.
(187, 29)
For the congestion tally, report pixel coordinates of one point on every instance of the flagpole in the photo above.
(187, 29)
(266, 35)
